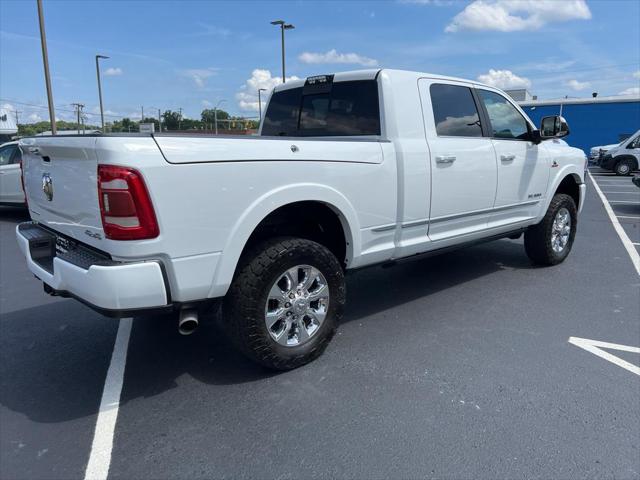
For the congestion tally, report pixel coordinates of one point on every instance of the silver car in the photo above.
(11, 192)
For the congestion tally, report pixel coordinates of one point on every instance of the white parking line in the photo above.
(630, 192)
(628, 216)
(624, 201)
(631, 250)
(100, 456)
(596, 346)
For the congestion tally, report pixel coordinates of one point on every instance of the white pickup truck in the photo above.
(349, 170)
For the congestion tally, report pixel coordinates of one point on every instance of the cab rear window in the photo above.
(344, 109)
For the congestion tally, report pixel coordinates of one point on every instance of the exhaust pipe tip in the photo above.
(187, 322)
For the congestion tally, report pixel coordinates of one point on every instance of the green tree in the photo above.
(171, 120)
(208, 116)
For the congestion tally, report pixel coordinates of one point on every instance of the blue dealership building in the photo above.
(592, 121)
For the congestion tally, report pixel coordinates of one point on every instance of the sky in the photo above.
(193, 54)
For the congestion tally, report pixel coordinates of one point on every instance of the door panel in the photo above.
(463, 162)
(523, 174)
(523, 170)
(10, 185)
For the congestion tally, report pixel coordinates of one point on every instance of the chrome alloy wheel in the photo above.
(297, 305)
(560, 230)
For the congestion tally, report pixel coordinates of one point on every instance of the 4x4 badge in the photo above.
(47, 186)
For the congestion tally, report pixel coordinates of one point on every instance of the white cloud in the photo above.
(636, 74)
(631, 91)
(200, 75)
(211, 30)
(248, 95)
(34, 118)
(207, 103)
(504, 79)
(332, 56)
(577, 85)
(516, 15)
(113, 72)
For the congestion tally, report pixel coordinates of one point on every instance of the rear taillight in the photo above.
(125, 205)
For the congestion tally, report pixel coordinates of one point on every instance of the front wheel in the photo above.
(285, 302)
(624, 167)
(550, 241)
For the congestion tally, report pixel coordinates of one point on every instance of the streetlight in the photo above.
(215, 114)
(283, 26)
(45, 62)
(98, 57)
(260, 105)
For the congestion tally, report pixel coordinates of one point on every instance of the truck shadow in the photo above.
(14, 214)
(54, 357)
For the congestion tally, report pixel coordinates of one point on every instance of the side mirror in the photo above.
(554, 126)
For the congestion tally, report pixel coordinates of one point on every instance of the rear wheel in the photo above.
(624, 167)
(550, 241)
(285, 302)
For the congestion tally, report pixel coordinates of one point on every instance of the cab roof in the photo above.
(372, 74)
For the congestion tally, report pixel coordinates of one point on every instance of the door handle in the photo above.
(445, 159)
(507, 158)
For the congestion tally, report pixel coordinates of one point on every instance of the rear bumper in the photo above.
(115, 289)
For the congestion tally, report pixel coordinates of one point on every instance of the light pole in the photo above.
(159, 120)
(260, 105)
(283, 26)
(215, 114)
(98, 57)
(45, 61)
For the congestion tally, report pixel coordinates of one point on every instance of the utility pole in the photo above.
(260, 105)
(98, 57)
(79, 107)
(180, 119)
(283, 26)
(17, 113)
(159, 122)
(45, 61)
(215, 114)
(142, 115)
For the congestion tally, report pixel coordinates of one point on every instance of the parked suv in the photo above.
(624, 158)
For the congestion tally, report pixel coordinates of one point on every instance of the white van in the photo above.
(624, 158)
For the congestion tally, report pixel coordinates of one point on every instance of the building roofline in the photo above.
(580, 101)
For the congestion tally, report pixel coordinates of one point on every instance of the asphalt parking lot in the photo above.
(456, 366)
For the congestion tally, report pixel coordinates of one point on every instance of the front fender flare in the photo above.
(565, 171)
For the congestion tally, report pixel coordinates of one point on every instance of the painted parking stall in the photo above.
(464, 356)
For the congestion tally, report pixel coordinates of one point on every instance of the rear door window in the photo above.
(344, 109)
(455, 111)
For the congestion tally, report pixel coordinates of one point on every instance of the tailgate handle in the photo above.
(445, 159)
(36, 151)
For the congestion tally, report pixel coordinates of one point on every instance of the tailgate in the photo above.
(60, 176)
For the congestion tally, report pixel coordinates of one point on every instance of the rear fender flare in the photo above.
(270, 202)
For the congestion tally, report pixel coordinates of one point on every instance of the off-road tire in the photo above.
(537, 239)
(244, 305)
(624, 167)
